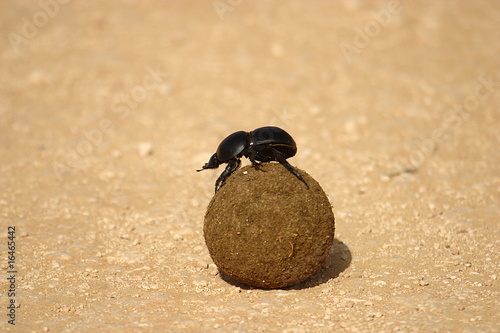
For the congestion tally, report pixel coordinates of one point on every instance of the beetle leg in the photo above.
(255, 164)
(290, 168)
(232, 166)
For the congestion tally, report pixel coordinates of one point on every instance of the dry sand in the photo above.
(108, 108)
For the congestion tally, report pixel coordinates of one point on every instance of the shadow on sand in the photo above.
(338, 260)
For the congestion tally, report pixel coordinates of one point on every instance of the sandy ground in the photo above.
(107, 109)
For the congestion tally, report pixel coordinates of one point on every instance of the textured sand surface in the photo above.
(108, 108)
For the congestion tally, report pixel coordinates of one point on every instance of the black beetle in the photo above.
(265, 144)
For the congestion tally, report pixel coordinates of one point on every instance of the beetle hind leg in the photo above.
(231, 167)
(289, 167)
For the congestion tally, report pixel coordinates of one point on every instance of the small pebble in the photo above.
(379, 283)
(145, 148)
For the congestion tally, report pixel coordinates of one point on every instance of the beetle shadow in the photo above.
(338, 260)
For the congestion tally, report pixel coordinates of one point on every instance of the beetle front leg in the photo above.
(232, 166)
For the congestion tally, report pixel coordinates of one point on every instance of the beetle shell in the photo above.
(266, 139)
(232, 146)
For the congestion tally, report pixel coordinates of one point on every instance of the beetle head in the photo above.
(213, 163)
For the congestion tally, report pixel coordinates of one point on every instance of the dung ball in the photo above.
(266, 229)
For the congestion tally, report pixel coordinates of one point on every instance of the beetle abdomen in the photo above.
(271, 135)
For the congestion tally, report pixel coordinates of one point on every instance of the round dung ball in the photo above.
(265, 228)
